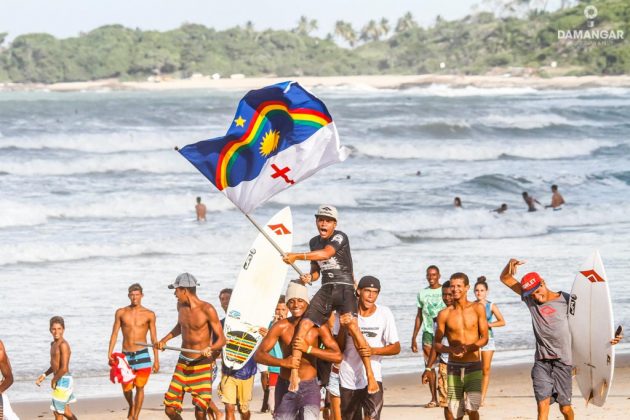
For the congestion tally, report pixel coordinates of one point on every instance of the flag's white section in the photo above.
(289, 167)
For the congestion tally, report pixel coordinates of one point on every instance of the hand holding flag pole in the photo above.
(281, 134)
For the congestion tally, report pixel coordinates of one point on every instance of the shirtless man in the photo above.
(200, 209)
(62, 382)
(331, 261)
(530, 201)
(135, 321)
(197, 321)
(307, 397)
(466, 328)
(6, 373)
(556, 199)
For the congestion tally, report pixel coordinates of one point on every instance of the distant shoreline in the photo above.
(375, 82)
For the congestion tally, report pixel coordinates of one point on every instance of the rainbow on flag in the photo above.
(280, 135)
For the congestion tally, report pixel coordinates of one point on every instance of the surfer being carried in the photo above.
(331, 262)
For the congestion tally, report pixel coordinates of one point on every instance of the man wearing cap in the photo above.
(331, 262)
(551, 374)
(306, 399)
(197, 322)
(379, 328)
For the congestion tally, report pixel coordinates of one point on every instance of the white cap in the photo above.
(327, 211)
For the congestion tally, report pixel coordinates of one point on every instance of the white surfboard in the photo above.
(257, 290)
(592, 328)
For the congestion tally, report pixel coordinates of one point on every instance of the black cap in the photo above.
(369, 281)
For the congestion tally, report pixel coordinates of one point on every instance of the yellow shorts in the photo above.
(237, 391)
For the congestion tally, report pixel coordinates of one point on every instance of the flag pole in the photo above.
(270, 239)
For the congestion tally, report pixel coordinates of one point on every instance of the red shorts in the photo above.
(273, 378)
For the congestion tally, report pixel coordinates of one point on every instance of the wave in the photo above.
(471, 150)
(102, 143)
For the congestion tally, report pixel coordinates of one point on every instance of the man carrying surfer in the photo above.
(551, 374)
(135, 321)
(331, 262)
(307, 397)
(197, 321)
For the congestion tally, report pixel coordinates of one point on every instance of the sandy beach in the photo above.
(510, 397)
(375, 82)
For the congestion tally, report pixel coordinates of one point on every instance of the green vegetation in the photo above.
(473, 45)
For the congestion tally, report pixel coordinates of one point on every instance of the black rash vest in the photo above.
(338, 268)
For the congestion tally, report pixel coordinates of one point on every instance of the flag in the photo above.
(280, 135)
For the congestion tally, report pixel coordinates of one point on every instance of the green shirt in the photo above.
(430, 301)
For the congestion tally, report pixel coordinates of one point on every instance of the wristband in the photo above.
(428, 369)
(308, 350)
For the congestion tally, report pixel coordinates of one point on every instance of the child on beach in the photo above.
(487, 351)
(62, 383)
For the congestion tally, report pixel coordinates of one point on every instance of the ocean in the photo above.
(94, 198)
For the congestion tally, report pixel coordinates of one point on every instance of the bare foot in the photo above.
(294, 383)
(372, 387)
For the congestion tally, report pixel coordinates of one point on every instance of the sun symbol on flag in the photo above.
(269, 142)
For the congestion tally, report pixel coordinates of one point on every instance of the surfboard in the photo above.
(592, 328)
(256, 291)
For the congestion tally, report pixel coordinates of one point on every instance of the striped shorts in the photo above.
(464, 387)
(193, 376)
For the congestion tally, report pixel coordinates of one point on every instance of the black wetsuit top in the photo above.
(338, 268)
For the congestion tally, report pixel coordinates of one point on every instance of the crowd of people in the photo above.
(557, 201)
(333, 341)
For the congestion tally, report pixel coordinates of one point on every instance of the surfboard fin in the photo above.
(603, 388)
(590, 397)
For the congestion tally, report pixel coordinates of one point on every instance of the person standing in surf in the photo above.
(305, 402)
(430, 303)
(530, 201)
(487, 351)
(135, 321)
(331, 262)
(557, 201)
(464, 325)
(200, 209)
(197, 322)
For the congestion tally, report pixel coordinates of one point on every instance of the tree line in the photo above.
(471, 45)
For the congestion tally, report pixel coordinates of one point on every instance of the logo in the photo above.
(547, 310)
(592, 276)
(234, 314)
(591, 36)
(572, 304)
(369, 334)
(279, 229)
(281, 173)
(248, 259)
(590, 12)
(337, 238)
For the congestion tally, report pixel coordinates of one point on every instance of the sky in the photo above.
(67, 18)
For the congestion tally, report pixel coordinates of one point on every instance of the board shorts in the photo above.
(427, 339)
(490, 345)
(140, 363)
(273, 378)
(307, 400)
(63, 394)
(331, 297)
(442, 385)
(333, 382)
(464, 387)
(193, 376)
(6, 412)
(237, 391)
(353, 400)
(552, 379)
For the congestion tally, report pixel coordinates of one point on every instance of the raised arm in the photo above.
(500, 322)
(114, 336)
(508, 273)
(5, 369)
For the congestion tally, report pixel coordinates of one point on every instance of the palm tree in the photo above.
(345, 31)
(384, 27)
(371, 31)
(405, 23)
(305, 26)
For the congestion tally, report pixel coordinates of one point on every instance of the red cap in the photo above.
(530, 282)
